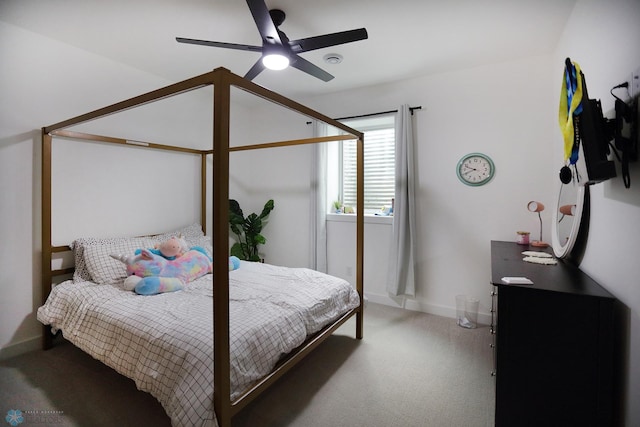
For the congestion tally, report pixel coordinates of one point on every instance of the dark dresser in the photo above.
(557, 344)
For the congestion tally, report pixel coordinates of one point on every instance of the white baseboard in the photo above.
(21, 347)
(416, 305)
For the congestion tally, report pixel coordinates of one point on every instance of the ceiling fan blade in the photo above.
(255, 70)
(220, 44)
(309, 68)
(333, 39)
(266, 27)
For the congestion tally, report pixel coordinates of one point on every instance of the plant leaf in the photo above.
(236, 230)
(234, 208)
(235, 219)
(268, 207)
(236, 250)
(247, 230)
(252, 226)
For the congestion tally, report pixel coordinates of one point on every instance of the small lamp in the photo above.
(537, 207)
(567, 210)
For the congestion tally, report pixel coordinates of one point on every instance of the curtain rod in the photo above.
(375, 114)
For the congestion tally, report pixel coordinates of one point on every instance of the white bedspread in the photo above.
(164, 342)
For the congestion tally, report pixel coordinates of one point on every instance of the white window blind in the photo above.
(379, 165)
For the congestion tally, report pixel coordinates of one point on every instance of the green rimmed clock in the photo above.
(475, 169)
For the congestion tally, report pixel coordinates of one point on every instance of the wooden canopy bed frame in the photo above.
(222, 80)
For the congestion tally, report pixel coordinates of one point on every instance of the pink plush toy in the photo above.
(169, 249)
(151, 274)
(172, 248)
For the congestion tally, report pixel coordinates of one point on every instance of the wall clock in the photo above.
(475, 169)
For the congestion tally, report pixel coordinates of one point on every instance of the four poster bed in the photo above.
(225, 337)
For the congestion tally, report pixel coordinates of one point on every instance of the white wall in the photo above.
(281, 174)
(504, 110)
(603, 38)
(42, 82)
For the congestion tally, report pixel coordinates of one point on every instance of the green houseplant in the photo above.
(247, 230)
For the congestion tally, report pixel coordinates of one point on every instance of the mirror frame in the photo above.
(579, 227)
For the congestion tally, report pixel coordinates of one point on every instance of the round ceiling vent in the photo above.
(333, 58)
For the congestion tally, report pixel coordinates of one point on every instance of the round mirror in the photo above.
(571, 212)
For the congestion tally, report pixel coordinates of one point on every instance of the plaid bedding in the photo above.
(164, 342)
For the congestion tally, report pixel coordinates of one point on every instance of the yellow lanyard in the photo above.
(565, 117)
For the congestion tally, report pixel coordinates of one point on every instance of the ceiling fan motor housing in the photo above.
(275, 43)
(277, 16)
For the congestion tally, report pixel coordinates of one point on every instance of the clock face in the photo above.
(475, 169)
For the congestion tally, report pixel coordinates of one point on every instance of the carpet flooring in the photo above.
(411, 369)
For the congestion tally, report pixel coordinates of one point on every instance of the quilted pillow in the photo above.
(205, 243)
(105, 270)
(82, 269)
(93, 263)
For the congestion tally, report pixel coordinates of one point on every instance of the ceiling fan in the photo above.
(278, 52)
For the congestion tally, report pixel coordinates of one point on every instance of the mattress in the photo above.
(164, 342)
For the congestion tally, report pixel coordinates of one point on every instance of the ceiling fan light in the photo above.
(275, 61)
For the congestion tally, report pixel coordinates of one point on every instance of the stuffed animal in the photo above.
(152, 285)
(169, 249)
(154, 274)
(234, 263)
(150, 274)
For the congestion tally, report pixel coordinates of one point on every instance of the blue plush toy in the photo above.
(151, 274)
(234, 263)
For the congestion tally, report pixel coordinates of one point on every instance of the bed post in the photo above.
(203, 191)
(360, 234)
(220, 212)
(46, 276)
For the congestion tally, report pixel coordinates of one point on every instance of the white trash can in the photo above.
(467, 311)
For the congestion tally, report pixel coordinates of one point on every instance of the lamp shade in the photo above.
(568, 210)
(534, 206)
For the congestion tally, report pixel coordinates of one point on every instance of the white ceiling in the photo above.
(407, 38)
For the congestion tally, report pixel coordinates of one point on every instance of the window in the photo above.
(379, 164)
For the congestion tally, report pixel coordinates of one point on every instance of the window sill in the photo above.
(368, 218)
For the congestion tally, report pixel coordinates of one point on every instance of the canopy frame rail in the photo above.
(222, 80)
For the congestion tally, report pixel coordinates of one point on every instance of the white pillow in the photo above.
(105, 270)
(205, 243)
(93, 263)
(82, 272)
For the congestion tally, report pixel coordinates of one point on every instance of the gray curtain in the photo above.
(401, 273)
(319, 201)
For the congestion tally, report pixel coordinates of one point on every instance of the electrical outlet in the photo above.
(634, 89)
